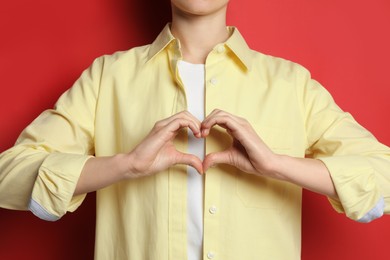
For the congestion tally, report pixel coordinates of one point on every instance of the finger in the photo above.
(223, 120)
(183, 114)
(219, 112)
(190, 160)
(179, 123)
(158, 138)
(172, 121)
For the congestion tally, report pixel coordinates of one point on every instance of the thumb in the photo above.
(217, 158)
(190, 160)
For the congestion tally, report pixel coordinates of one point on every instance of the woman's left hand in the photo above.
(247, 152)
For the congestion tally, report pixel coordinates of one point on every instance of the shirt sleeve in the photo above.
(41, 171)
(359, 165)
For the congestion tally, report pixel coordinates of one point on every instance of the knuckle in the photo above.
(176, 121)
(183, 114)
(158, 124)
(193, 161)
(243, 120)
(211, 157)
(225, 117)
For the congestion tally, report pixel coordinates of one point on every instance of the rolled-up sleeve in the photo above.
(41, 171)
(52, 194)
(355, 180)
(359, 165)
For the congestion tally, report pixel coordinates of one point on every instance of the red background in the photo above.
(44, 46)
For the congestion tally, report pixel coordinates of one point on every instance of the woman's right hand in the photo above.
(154, 154)
(157, 151)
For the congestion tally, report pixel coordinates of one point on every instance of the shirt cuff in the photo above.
(53, 190)
(375, 212)
(40, 212)
(355, 183)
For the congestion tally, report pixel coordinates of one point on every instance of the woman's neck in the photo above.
(199, 34)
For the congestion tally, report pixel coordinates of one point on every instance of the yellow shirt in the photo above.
(116, 102)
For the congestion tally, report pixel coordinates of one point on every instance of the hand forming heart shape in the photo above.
(157, 151)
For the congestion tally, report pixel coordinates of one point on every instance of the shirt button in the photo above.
(210, 255)
(213, 209)
(214, 81)
(220, 49)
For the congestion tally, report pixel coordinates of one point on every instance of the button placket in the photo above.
(211, 200)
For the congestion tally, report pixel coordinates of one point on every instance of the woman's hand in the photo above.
(157, 151)
(247, 152)
(250, 154)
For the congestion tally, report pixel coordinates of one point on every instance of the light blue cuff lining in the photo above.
(40, 212)
(374, 213)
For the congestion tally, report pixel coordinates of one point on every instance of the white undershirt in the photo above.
(192, 76)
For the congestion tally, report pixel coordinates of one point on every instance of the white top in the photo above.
(193, 78)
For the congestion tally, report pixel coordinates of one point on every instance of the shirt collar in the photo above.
(239, 47)
(161, 42)
(236, 44)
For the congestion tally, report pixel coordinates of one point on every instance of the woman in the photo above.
(252, 120)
